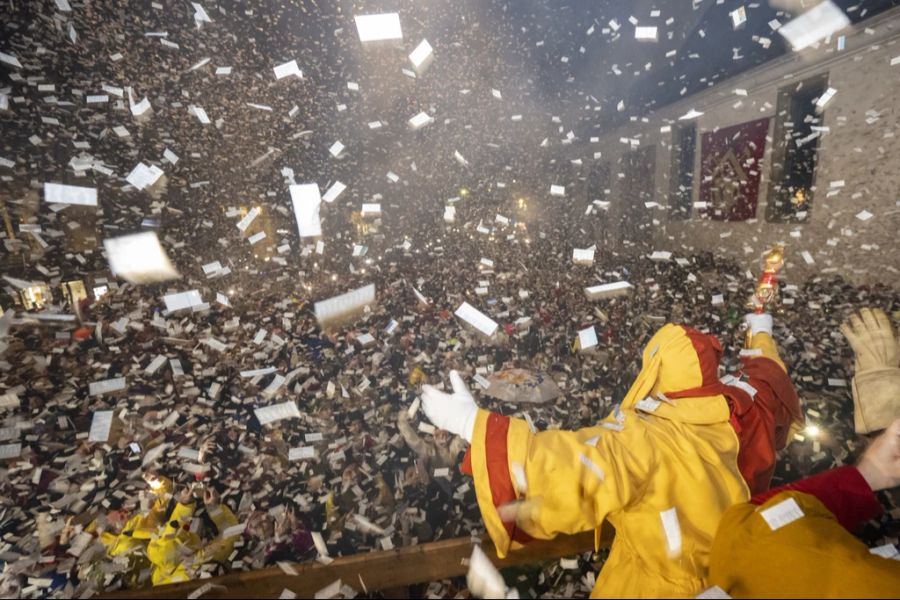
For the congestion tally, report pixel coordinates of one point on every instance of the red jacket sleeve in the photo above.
(500, 479)
(843, 491)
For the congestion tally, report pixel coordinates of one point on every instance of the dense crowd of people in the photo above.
(187, 481)
(374, 480)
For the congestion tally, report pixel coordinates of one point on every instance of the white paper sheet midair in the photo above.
(139, 258)
(476, 319)
(306, 200)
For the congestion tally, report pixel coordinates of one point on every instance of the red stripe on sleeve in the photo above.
(466, 466)
(497, 457)
(843, 491)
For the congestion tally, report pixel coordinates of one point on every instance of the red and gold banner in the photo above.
(730, 170)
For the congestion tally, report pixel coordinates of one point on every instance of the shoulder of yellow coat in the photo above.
(702, 410)
(747, 554)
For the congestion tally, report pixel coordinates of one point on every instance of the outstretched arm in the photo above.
(761, 337)
(539, 484)
(411, 438)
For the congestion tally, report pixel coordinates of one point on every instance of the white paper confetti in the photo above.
(476, 319)
(713, 593)
(57, 193)
(9, 59)
(583, 256)
(672, 531)
(825, 97)
(170, 156)
(420, 120)
(645, 34)
(139, 258)
(345, 304)
(886, 551)
(336, 149)
(738, 17)
(100, 426)
(288, 69)
(301, 453)
(587, 338)
(483, 578)
(421, 57)
(815, 24)
(378, 27)
(8, 451)
(306, 201)
(251, 215)
(607, 290)
(371, 210)
(329, 591)
(691, 114)
(200, 113)
(277, 412)
(781, 514)
(333, 192)
(143, 176)
(593, 467)
(183, 300)
(107, 386)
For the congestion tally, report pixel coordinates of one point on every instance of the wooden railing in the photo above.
(380, 570)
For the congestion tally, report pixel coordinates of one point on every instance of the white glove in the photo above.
(759, 323)
(454, 412)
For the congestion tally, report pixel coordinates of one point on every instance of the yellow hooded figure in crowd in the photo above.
(139, 528)
(177, 552)
(174, 550)
(661, 470)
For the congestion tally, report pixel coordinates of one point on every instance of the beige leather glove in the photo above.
(876, 386)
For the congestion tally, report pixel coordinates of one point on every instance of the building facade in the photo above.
(802, 150)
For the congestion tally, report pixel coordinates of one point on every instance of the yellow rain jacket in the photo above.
(812, 556)
(141, 527)
(178, 552)
(662, 472)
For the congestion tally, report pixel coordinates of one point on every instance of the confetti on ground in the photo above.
(222, 269)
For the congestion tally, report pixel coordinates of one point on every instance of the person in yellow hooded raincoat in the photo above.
(177, 552)
(137, 529)
(795, 541)
(662, 469)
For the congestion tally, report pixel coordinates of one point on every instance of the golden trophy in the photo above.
(767, 284)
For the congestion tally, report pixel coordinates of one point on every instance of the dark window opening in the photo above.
(639, 168)
(684, 143)
(792, 180)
